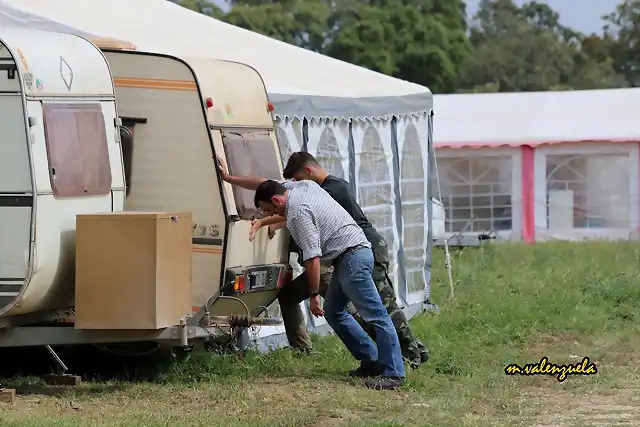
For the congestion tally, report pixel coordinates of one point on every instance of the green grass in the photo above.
(513, 304)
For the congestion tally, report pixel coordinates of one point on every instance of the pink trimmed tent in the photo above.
(540, 165)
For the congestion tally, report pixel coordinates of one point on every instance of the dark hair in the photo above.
(296, 162)
(266, 190)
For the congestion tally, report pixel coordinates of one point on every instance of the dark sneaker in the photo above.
(365, 370)
(384, 383)
(415, 363)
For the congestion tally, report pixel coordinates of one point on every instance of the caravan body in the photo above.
(179, 114)
(55, 91)
(91, 131)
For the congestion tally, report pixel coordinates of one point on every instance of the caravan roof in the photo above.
(57, 64)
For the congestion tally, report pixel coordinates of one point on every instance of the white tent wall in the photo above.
(587, 191)
(387, 162)
(573, 159)
(482, 191)
(368, 153)
(328, 142)
(412, 135)
(374, 182)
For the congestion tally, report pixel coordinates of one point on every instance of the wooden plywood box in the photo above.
(133, 270)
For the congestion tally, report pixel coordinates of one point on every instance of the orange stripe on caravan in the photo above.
(134, 82)
(206, 250)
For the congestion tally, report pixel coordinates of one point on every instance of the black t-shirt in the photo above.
(341, 192)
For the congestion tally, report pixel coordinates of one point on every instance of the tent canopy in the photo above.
(535, 118)
(301, 82)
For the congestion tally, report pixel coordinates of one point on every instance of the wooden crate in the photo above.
(133, 270)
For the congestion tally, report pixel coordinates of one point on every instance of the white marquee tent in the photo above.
(542, 165)
(369, 128)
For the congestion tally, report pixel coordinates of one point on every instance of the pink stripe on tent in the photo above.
(528, 196)
(486, 144)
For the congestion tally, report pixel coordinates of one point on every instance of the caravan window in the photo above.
(251, 154)
(77, 148)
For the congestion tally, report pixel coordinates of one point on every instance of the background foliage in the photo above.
(503, 48)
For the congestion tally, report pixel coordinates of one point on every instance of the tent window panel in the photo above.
(413, 237)
(332, 165)
(413, 256)
(415, 280)
(373, 159)
(375, 189)
(588, 191)
(380, 218)
(328, 154)
(412, 190)
(375, 194)
(412, 166)
(413, 195)
(77, 149)
(283, 145)
(413, 215)
(477, 193)
(250, 154)
(382, 222)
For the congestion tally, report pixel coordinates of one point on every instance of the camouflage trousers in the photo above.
(291, 294)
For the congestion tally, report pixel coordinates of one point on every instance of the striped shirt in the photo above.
(318, 224)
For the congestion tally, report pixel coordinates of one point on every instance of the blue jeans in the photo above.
(352, 281)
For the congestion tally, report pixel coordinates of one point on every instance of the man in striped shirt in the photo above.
(326, 233)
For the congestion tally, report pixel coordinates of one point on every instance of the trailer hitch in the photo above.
(245, 321)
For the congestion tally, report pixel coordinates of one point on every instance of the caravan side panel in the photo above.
(74, 159)
(172, 165)
(240, 102)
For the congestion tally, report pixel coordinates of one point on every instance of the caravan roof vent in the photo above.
(112, 44)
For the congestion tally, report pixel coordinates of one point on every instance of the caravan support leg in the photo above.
(57, 359)
(62, 378)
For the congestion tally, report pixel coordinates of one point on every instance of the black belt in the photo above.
(346, 252)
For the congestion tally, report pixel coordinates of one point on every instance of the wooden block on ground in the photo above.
(65, 379)
(8, 395)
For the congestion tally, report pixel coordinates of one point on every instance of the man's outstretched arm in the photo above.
(248, 182)
(273, 220)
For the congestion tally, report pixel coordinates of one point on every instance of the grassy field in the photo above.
(513, 304)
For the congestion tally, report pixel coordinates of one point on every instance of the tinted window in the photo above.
(250, 154)
(76, 142)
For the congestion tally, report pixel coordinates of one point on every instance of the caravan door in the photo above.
(16, 189)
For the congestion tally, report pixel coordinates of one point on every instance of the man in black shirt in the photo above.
(300, 166)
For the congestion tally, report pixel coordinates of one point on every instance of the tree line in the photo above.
(502, 48)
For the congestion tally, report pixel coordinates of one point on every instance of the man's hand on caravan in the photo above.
(224, 170)
(274, 222)
(256, 224)
(247, 182)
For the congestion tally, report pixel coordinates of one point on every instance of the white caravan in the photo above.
(86, 131)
